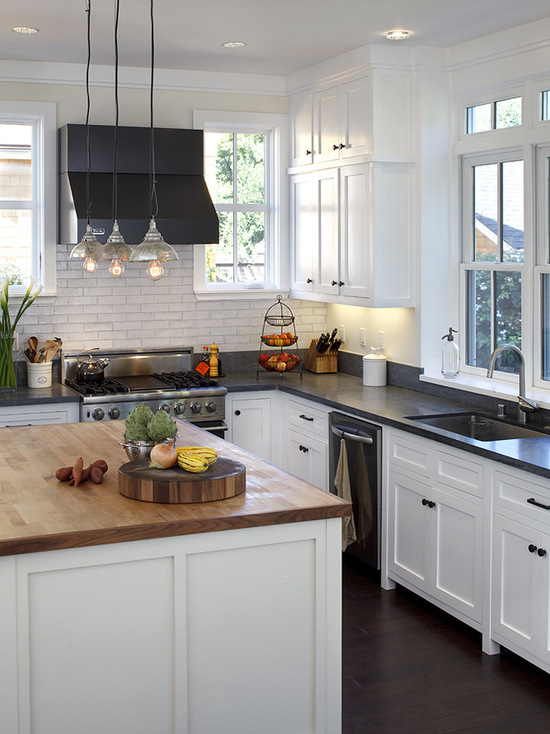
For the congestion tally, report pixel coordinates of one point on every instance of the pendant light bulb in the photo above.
(90, 265)
(116, 268)
(155, 270)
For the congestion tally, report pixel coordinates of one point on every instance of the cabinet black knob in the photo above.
(531, 548)
(303, 448)
(309, 280)
(541, 552)
(334, 282)
(340, 282)
(342, 145)
(237, 412)
(424, 501)
(308, 152)
(431, 504)
(335, 147)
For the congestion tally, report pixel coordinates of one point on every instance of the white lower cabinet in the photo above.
(249, 417)
(306, 441)
(191, 634)
(435, 525)
(435, 544)
(306, 458)
(39, 414)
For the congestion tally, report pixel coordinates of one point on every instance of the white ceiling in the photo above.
(282, 36)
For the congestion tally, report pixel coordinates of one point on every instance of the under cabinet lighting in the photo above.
(234, 44)
(25, 29)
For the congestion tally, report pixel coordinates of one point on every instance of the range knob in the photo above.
(211, 407)
(98, 414)
(179, 408)
(165, 407)
(195, 408)
(114, 413)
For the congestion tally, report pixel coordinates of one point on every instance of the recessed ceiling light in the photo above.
(397, 35)
(25, 29)
(234, 44)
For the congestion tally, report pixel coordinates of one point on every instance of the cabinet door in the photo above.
(410, 525)
(355, 118)
(516, 583)
(327, 217)
(457, 552)
(307, 458)
(326, 125)
(250, 425)
(303, 232)
(356, 262)
(301, 130)
(40, 414)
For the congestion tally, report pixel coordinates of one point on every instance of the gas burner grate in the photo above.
(186, 380)
(105, 387)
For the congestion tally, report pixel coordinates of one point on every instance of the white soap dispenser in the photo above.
(449, 355)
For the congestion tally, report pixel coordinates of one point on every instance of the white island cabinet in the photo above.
(39, 414)
(120, 616)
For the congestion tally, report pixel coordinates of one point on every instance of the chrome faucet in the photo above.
(524, 405)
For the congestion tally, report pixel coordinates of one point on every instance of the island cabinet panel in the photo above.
(230, 631)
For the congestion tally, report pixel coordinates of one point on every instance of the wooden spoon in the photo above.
(33, 346)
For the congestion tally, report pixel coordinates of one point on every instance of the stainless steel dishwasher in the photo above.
(363, 442)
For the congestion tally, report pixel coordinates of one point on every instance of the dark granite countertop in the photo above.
(57, 393)
(389, 406)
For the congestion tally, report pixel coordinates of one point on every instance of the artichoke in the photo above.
(161, 426)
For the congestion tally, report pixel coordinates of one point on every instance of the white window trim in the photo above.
(44, 187)
(278, 226)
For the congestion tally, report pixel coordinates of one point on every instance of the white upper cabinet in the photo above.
(352, 228)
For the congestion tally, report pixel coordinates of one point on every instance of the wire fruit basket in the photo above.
(279, 315)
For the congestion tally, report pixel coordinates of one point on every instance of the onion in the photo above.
(163, 456)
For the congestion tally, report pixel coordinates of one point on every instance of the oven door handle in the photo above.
(221, 426)
(351, 436)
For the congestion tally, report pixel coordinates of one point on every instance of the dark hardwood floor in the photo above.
(408, 668)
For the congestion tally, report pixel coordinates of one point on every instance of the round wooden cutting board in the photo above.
(223, 479)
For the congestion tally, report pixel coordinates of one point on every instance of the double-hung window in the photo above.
(493, 256)
(242, 165)
(27, 194)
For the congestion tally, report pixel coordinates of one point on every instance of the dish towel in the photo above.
(365, 518)
(343, 489)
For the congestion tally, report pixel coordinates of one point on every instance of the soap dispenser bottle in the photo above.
(449, 355)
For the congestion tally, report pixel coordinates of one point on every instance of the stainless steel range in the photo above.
(162, 378)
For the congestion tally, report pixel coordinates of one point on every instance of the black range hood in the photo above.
(186, 214)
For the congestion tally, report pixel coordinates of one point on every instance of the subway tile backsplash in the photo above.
(133, 311)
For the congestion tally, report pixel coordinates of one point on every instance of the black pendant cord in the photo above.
(115, 144)
(88, 156)
(153, 202)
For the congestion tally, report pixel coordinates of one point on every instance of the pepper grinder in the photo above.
(213, 360)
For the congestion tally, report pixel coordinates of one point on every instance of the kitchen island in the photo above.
(123, 616)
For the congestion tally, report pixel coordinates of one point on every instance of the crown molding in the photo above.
(34, 72)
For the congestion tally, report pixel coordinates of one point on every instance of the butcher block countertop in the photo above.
(39, 513)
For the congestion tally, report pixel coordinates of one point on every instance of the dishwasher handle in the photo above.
(351, 436)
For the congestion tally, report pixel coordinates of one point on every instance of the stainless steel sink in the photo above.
(478, 426)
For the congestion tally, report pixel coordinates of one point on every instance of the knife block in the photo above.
(320, 363)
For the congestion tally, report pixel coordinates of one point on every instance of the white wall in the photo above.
(133, 311)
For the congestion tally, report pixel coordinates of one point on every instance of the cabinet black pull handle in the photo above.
(308, 152)
(531, 548)
(533, 501)
(304, 449)
(305, 417)
(541, 552)
(309, 280)
(237, 412)
(429, 503)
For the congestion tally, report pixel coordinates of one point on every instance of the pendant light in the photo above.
(89, 246)
(116, 250)
(153, 249)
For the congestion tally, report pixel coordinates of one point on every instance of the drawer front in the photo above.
(409, 454)
(522, 494)
(309, 420)
(458, 472)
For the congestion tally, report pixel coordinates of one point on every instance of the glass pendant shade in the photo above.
(117, 251)
(89, 248)
(153, 247)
